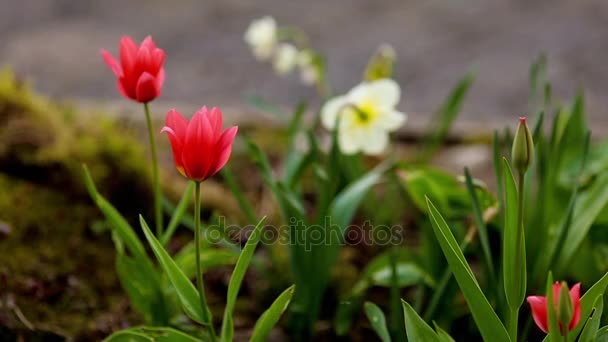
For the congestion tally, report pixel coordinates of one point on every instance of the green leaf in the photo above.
(378, 321)
(237, 278)
(589, 205)
(488, 323)
(416, 327)
(186, 291)
(234, 187)
(442, 334)
(271, 316)
(481, 225)
(178, 213)
(119, 224)
(150, 334)
(593, 322)
(602, 334)
(514, 260)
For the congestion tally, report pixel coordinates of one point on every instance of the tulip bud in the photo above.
(565, 307)
(523, 147)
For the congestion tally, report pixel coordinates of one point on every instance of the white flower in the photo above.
(262, 37)
(366, 116)
(285, 58)
(309, 74)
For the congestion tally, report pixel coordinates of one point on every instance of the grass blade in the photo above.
(481, 225)
(378, 321)
(271, 316)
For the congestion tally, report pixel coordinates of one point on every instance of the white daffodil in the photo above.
(285, 58)
(262, 37)
(309, 74)
(365, 115)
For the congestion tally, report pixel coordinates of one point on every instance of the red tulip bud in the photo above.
(538, 304)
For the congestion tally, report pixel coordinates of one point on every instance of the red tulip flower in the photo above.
(538, 304)
(200, 148)
(140, 71)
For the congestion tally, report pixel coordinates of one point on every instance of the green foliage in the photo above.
(271, 316)
(376, 318)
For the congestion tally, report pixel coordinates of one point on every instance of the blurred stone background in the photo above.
(56, 43)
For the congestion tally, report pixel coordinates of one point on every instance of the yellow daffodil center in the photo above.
(365, 112)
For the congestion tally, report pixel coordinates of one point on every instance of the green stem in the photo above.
(199, 273)
(157, 195)
(566, 333)
(514, 316)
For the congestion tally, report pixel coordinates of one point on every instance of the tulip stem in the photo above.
(157, 195)
(199, 270)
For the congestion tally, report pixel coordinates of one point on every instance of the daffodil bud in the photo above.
(381, 64)
(523, 147)
(565, 307)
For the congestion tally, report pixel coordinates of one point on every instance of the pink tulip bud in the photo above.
(538, 304)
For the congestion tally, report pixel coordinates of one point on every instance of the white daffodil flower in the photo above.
(365, 115)
(261, 35)
(309, 74)
(285, 58)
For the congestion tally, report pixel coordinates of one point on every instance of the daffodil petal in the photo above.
(330, 111)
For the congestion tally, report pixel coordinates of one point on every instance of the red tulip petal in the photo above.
(224, 149)
(160, 79)
(177, 123)
(146, 89)
(538, 304)
(216, 121)
(196, 152)
(176, 147)
(128, 52)
(126, 92)
(112, 63)
(575, 295)
(148, 43)
(158, 58)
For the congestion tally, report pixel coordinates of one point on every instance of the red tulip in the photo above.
(538, 304)
(200, 148)
(140, 71)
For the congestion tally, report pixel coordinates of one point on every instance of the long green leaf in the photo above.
(514, 259)
(416, 327)
(271, 316)
(237, 278)
(588, 207)
(186, 291)
(490, 326)
(593, 322)
(378, 321)
(481, 225)
(119, 223)
(150, 334)
(554, 333)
